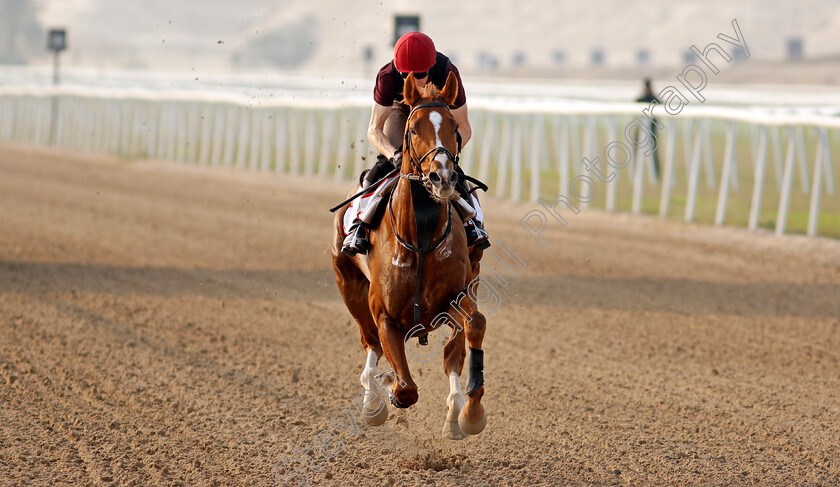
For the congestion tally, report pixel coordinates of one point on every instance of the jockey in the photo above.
(414, 53)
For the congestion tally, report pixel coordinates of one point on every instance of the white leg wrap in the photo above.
(369, 371)
(372, 415)
(455, 403)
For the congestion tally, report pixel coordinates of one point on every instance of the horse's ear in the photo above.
(450, 89)
(410, 92)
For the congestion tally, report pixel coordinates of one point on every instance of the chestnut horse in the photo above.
(410, 281)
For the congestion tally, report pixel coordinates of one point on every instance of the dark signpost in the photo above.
(56, 42)
(403, 24)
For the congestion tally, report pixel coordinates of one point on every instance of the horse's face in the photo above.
(431, 129)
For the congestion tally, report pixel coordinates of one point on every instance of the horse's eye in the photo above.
(412, 132)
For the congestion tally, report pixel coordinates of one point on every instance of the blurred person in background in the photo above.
(413, 53)
(648, 97)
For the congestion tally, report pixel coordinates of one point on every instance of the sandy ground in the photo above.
(170, 325)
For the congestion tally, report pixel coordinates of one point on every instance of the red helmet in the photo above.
(414, 53)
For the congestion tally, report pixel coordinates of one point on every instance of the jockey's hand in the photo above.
(397, 159)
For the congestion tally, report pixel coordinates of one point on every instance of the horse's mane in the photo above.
(429, 92)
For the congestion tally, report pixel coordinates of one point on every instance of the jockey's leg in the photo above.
(357, 240)
(476, 234)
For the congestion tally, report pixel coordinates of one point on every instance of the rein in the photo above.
(424, 180)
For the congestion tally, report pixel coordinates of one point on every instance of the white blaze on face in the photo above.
(436, 118)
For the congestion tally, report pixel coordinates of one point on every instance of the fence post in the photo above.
(206, 133)
(486, 147)
(343, 144)
(327, 143)
(758, 184)
(564, 156)
(611, 186)
(536, 145)
(709, 159)
(726, 174)
(309, 142)
(504, 156)
(829, 174)
(816, 185)
(231, 128)
(244, 136)
(803, 159)
(777, 155)
(668, 171)
(693, 176)
(516, 178)
(787, 182)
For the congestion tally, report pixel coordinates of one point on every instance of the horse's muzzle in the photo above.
(444, 182)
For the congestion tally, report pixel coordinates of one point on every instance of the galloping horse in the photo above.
(416, 270)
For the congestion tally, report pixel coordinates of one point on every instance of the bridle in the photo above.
(417, 162)
(421, 177)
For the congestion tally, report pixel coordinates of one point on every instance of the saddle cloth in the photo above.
(361, 203)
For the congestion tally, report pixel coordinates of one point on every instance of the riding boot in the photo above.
(357, 240)
(476, 234)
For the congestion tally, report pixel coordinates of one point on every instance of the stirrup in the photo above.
(477, 236)
(356, 241)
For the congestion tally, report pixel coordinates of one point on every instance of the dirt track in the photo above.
(181, 326)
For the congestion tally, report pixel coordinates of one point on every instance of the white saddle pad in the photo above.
(361, 203)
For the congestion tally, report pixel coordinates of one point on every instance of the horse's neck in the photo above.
(407, 224)
(404, 211)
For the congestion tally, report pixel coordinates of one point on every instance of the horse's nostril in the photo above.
(434, 178)
(454, 178)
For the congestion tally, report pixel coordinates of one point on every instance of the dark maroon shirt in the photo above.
(389, 83)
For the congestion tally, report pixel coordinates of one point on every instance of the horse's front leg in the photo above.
(453, 365)
(404, 390)
(472, 418)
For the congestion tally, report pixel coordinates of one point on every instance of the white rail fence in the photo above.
(523, 151)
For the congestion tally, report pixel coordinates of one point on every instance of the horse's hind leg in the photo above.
(354, 288)
(453, 365)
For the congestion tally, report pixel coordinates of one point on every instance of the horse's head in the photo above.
(431, 134)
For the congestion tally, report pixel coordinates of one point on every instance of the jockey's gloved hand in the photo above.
(396, 160)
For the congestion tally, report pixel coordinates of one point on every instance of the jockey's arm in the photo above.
(462, 118)
(376, 130)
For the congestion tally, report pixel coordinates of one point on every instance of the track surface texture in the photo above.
(171, 325)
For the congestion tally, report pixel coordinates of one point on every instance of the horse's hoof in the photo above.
(472, 428)
(378, 419)
(451, 431)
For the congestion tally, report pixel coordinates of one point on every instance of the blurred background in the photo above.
(547, 82)
(789, 41)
